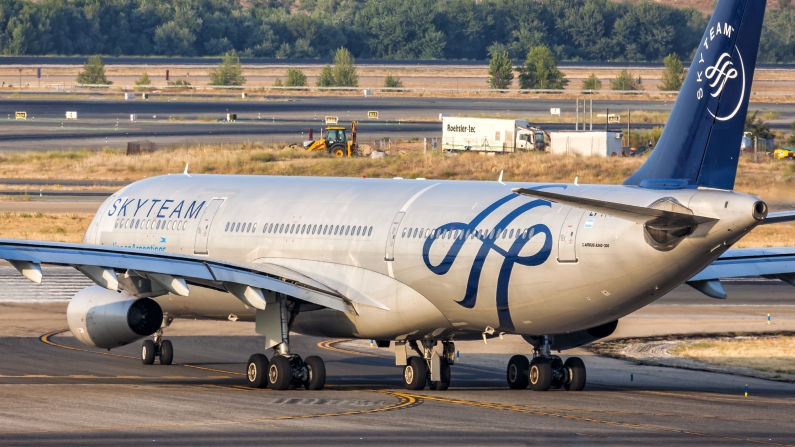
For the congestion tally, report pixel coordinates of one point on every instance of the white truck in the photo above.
(588, 143)
(491, 135)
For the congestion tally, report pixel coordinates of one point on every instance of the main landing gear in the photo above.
(158, 347)
(285, 369)
(429, 367)
(545, 371)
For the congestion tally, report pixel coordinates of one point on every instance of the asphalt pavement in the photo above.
(277, 119)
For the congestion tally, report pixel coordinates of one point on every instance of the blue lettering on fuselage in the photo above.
(488, 243)
(119, 208)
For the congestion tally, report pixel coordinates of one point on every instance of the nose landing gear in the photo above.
(158, 347)
(545, 371)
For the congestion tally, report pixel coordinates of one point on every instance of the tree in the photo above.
(294, 78)
(625, 81)
(228, 72)
(344, 72)
(143, 80)
(674, 74)
(326, 78)
(393, 82)
(540, 71)
(500, 67)
(592, 83)
(757, 126)
(93, 72)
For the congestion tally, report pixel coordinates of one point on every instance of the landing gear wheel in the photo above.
(540, 374)
(166, 352)
(558, 375)
(280, 373)
(415, 374)
(257, 371)
(576, 374)
(316, 373)
(148, 351)
(518, 369)
(444, 376)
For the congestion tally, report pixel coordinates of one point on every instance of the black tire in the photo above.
(148, 351)
(576, 372)
(280, 373)
(557, 365)
(338, 151)
(166, 352)
(257, 371)
(540, 374)
(444, 375)
(518, 369)
(316, 373)
(415, 374)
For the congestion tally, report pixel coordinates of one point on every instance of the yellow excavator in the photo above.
(336, 142)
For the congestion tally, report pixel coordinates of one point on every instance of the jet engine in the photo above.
(106, 319)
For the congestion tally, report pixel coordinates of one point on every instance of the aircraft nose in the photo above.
(759, 211)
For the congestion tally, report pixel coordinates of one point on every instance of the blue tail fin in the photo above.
(701, 142)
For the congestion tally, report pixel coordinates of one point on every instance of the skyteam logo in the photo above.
(460, 233)
(725, 76)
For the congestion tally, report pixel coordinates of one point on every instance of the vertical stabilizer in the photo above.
(700, 145)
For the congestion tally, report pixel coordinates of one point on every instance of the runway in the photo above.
(56, 391)
(276, 119)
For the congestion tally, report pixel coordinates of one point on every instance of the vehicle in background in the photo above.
(588, 143)
(491, 135)
(336, 142)
(786, 153)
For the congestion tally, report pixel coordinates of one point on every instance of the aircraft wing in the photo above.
(171, 272)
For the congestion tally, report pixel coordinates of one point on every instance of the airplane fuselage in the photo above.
(434, 258)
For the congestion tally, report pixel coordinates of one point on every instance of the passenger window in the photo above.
(422, 233)
(227, 227)
(336, 230)
(347, 229)
(370, 231)
(248, 230)
(404, 232)
(510, 236)
(314, 229)
(504, 233)
(281, 228)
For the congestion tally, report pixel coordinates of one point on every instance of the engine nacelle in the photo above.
(106, 319)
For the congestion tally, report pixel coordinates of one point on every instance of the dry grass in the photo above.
(770, 180)
(45, 227)
(768, 354)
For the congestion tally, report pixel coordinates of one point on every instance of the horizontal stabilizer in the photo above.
(633, 213)
(780, 217)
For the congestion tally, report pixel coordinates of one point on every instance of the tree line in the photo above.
(595, 30)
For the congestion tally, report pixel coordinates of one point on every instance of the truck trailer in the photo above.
(601, 144)
(491, 135)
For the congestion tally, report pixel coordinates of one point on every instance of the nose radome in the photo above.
(759, 211)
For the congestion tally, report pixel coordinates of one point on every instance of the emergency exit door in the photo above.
(205, 223)
(389, 252)
(567, 241)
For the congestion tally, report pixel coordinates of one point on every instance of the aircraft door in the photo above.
(567, 242)
(205, 223)
(389, 253)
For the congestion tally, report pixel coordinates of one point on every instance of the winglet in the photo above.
(500, 179)
(186, 170)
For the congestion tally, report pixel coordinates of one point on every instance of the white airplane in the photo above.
(424, 263)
